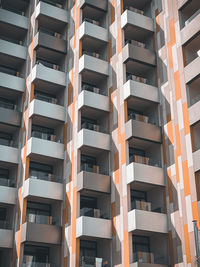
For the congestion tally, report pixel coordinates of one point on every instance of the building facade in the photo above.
(99, 133)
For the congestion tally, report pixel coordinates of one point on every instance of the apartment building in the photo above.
(99, 133)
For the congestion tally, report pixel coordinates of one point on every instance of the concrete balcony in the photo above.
(45, 148)
(53, 17)
(43, 40)
(12, 82)
(35, 188)
(9, 116)
(9, 154)
(138, 173)
(191, 71)
(143, 130)
(93, 100)
(48, 110)
(41, 233)
(190, 30)
(48, 75)
(196, 161)
(136, 26)
(93, 181)
(8, 195)
(96, 4)
(93, 227)
(194, 115)
(19, 22)
(134, 89)
(6, 240)
(18, 52)
(89, 138)
(92, 64)
(138, 57)
(146, 221)
(88, 29)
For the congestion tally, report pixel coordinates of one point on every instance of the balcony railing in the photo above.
(88, 167)
(6, 182)
(144, 160)
(87, 261)
(9, 71)
(51, 3)
(92, 54)
(147, 206)
(96, 213)
(96, 22)
(41, 219)
(48, 177)
(5, 225)
(136, 43)
(133, 9)
(90, 126)
(30, 263)
(44, 136)
(46, 98)
(148, 257)
(90, 88)
(7, 105)
(48, 64)
(49, 32)
(138, 117)
(136, 78)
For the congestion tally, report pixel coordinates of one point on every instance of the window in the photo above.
(40, 171)
(140, 244)
(88, 249)
(4, 176)
(88, 163)
(45, 97)
(5, 139)
(36, 254)
(132, 113)
(135, 151)
(137, 196)
(38, 208)
(88, 123)
(5, 103)
(42, 132)
(8, 70)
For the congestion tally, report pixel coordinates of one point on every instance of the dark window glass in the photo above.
(36, 254)
(140, 244)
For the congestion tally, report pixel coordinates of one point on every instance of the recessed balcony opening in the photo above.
(41, 256)
(10, 99)
(144, 111)
(49, 97)
(197, 181)
(93, 161)
(148, 198)
(56, 3)
(8, 33)
(94, 48)
(141, 74)
(195, 129)
(6, 217)
(144, 152)
(96, 121)
(46, 172)
(8, 175)
(193, 92)
(188, 12)
(5, 256)
(142, 7)
(147, 249)
(17, 6)
(42, 213)
(95, 205)
(7, 68)
(94, 15)
(47, 129)
(95, 253)
(190, 49)
(9, 135)
(46, 58)
(97, 86)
